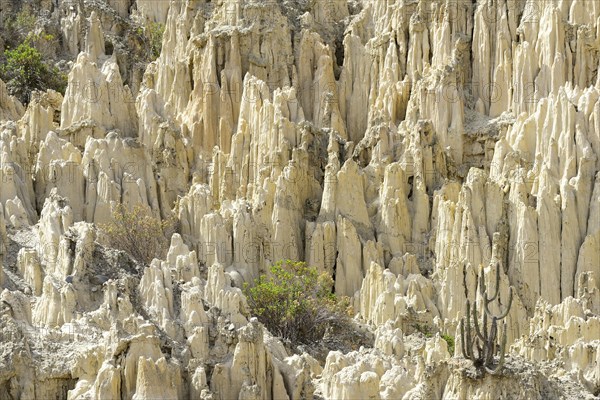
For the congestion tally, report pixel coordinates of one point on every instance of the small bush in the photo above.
(138, 233)
(450, 341)
(152, 33)
(25, 71)
(295, 302)
(155, 34)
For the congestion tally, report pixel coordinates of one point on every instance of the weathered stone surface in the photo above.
(404, 148)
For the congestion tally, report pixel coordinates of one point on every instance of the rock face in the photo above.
(402, 147)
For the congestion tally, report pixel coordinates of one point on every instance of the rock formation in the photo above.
(414, 151)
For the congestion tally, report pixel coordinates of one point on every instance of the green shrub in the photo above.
(295, 302)
(154, 33)
(450, 341)
(138, 233)
(25, 70)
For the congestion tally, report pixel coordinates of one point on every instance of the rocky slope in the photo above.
(404, 147)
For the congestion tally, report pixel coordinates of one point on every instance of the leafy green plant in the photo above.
(25, 70)
(295, 302)
(138, 233)
(450, 341)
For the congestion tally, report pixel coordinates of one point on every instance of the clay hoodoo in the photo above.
(439, 160)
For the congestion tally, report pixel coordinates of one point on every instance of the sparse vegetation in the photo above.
(26, 62)
(42, 42)
(155, 32)
(450, 341)
(479, 339)
(19, 26)
(138, 233)
(295, 302)
(152, 32)
(25, 69)
(424, 329)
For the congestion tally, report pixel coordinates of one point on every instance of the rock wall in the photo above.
(403, 148)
